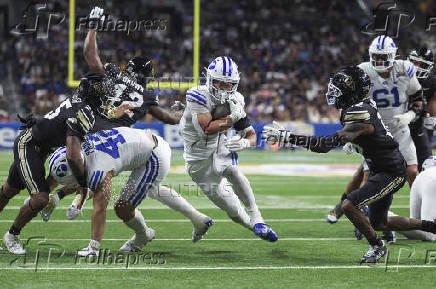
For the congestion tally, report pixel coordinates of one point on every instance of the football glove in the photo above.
(97, 15)
(430, 122)
(273, 132)
(405, 118)
(349, 148)
(177, 106)
(237, 143)
(236, 110)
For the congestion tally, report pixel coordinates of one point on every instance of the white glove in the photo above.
(177, 106)
(405, 118)
(236, 110)
(348, 148)
(430, 122)
(237, 143)
(273, 132)
(97, 14)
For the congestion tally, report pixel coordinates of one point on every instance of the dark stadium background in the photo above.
(286, 50)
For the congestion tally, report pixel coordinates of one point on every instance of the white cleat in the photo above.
(200, 230)
(136, 243)
(48, 210)
(73, 212)
(13, 244)
(88, 252)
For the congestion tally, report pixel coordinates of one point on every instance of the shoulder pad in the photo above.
(197, 95)
(83, 121)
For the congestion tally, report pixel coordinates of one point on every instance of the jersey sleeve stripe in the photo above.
(197, 94)
(357, 111)
(197, 97)
(357, 117)
(194, 100)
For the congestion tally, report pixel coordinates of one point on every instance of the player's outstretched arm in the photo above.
(322, 144)
(90, 48)
(165, 116)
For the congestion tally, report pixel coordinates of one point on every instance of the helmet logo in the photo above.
(61, 171)
(212, 65)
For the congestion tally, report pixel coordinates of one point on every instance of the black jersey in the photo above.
(429, 85)
(379, 149)
(72, 117)
(126, 90)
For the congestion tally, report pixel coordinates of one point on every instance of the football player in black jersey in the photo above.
(129, 92)
(64, 126)
(422, 58)
(348, 91)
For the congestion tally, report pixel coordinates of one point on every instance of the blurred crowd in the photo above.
(286, 51)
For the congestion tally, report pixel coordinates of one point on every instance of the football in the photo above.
(220, 111)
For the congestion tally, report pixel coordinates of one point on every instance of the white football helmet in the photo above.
(382, 53)
(429, 162)
(60, 170)
(224, 69)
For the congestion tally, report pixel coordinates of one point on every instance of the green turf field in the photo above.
(309, 254)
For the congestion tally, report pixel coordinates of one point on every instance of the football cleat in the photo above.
(136, 243)
(374, 253)
(332, 217)
(264, 232)
(201, 230)
(48, 210)
(73, 212)
(88, 252)
(13, 244)
(389, 237)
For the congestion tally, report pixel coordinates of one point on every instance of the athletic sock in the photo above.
(428, 226)
(94, 244)
(137, 223)
(14, 230)
(60, 193)
(375, 241)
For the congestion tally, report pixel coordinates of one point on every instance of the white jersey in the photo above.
(119, 149)
(198, 145)
(391, 94)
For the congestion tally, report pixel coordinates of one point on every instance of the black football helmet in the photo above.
(423, 60)
(348, 86)
(140, 68)
(96, 90)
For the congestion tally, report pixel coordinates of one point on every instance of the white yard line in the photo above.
(206, 239)
(160, 267)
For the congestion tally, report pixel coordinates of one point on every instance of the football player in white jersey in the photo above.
(423, 200)
(109, 152)
(211, 158)
(397, 93)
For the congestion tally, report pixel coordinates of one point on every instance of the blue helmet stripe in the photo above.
(56, 157)
(383, 42)
(224, 65)
(230, 66)
(378, 44)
